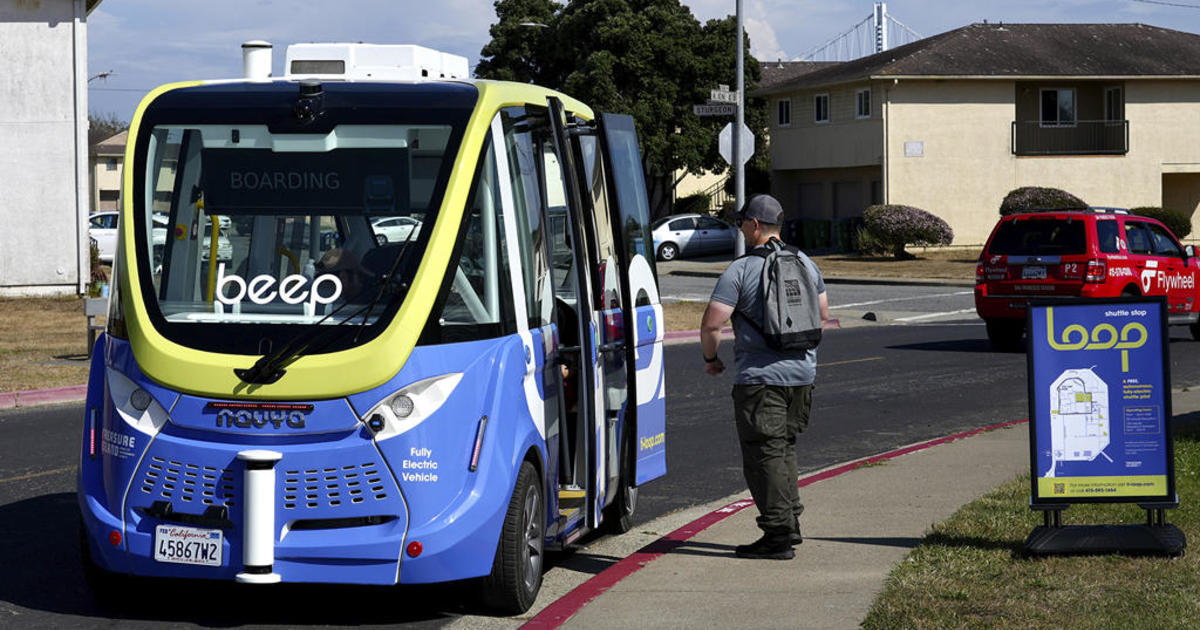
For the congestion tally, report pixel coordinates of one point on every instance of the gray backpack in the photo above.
(791, 311)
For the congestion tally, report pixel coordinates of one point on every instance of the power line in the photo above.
(1170, 4)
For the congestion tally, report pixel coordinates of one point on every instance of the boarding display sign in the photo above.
(1100, 402)
(342, 181)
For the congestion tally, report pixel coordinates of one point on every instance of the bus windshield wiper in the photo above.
(269, 368)
(386, 286)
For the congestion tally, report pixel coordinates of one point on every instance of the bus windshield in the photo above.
(248, 235)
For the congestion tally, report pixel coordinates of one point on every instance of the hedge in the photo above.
(1031, 198)
(1179, 223)
(894, 226)
(695, 203)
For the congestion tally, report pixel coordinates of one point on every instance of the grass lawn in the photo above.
(43, 343)
(969, 573)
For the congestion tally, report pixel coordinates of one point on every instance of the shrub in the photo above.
(1038, 198)
(694, 203)
(895, 226)
(866, 244)
(1179, 223)
(99, 275)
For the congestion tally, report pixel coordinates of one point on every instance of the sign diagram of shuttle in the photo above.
(1079, 421)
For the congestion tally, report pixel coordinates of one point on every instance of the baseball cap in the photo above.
(765, 208)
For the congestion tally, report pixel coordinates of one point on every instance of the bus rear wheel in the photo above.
(516, 574)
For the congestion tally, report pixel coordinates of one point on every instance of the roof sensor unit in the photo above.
(311, 101)
(376, 62)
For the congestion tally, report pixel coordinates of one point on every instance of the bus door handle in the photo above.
(612, 347)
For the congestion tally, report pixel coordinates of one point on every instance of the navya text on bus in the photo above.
(333, 395)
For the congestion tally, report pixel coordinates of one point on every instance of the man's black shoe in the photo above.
(795, 538)
(767, 548)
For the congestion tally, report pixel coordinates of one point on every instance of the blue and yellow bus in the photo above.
(372, 325)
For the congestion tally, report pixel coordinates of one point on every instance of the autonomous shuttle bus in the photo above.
(325, 403)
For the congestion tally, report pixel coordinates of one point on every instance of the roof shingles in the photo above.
(1016, 50)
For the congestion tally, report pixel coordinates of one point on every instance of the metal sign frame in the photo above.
(1084, 337)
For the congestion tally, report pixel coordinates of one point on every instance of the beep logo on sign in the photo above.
(1103, 336)
(325, 289)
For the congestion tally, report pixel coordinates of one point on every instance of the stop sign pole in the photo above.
(738, 165)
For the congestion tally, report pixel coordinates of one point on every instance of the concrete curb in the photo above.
(32, 397)
(558, 612)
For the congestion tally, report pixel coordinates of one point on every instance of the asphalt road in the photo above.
(879, 387)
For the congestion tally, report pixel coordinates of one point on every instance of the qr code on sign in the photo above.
(1060, 488)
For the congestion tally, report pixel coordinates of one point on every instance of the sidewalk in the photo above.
(859, 522)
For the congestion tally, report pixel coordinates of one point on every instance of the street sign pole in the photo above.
(739, 166)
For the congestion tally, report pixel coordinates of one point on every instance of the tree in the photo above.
(648, 58)
(103, 126)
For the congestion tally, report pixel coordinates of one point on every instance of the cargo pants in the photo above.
(768, 418)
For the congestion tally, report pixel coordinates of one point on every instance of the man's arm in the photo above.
(823, 300)
(711, 323)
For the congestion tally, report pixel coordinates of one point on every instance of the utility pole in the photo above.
(739, 164)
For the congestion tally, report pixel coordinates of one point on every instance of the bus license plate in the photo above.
(1033, 272)
(188, 545)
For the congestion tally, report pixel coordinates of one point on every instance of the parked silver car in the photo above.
(691, 234)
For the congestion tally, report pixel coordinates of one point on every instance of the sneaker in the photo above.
(767, 548)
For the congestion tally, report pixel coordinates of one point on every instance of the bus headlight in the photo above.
(135, 405)
(402, 405)
(410, 406)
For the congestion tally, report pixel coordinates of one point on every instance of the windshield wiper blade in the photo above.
(269, 368)
(386, 286)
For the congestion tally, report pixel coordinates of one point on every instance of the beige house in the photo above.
(105, 163)
(953, 122)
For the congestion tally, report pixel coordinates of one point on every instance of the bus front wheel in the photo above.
(618, 516)
(516, 574)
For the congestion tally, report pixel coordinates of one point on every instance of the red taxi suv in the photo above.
(1090, 253)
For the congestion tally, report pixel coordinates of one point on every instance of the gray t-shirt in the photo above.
(757, 363)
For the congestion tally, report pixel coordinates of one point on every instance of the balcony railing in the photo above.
(1084, 137)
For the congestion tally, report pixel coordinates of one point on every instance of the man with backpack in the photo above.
(776, 297)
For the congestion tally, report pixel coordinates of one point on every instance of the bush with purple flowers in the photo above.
(1031, 198)
(894, 226)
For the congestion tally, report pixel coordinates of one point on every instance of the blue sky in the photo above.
(146, 43)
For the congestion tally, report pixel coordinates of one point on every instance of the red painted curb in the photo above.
(562, 609)
(43, 396)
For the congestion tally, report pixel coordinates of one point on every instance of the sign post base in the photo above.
(1154, 538)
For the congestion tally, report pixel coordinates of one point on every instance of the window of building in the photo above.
(110, 164)
(821, 108)
(862, 103)
(1114, 104)
(1058, 107)
(785, 112)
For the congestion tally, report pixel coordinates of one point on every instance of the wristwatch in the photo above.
(714, 359)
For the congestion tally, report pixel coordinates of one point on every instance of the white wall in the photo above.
(43, 124)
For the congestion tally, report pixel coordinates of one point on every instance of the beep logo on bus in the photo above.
(292, 289)
(1103, 336)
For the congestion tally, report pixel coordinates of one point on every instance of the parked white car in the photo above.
(690, 234)
(102, 226)
(396, 229)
